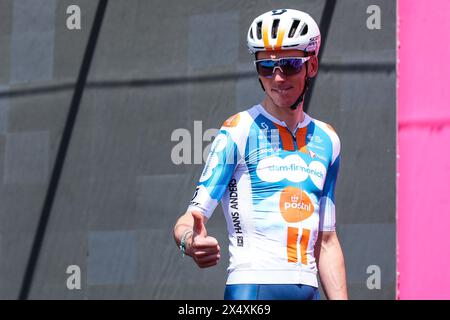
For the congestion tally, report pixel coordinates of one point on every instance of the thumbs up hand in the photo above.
(204, 249)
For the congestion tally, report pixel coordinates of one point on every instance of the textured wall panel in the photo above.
(32, 40)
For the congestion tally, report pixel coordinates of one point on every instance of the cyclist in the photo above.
(274, 168)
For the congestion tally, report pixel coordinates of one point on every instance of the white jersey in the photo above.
(277, 193)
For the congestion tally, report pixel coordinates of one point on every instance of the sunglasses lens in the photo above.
(265, 68)
(291, 66)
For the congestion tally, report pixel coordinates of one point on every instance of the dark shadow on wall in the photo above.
(135, 83)
(62, 151)
(325, 22)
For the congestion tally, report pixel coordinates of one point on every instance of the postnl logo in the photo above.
(295, 205)
(292, 168)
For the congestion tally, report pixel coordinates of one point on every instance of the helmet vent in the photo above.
(275, 28)
(304, 30)
(293, 28)
(258, 30)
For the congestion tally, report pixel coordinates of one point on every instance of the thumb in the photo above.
(199, 227)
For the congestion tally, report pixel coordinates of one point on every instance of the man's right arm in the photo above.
(203, 249)
(219, 168)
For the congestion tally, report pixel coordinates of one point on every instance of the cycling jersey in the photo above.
(277, 193)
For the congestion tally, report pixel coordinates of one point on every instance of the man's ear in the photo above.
(313, 66)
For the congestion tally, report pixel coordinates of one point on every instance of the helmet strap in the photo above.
(302, 95)
(262, 86)
(260, 82)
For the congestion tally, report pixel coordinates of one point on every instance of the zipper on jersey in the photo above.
(295, 142)
(294, 137)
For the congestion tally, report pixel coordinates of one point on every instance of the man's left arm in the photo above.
(328, 251)
(331, 266)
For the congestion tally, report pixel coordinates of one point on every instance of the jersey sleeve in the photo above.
(327, 209)
(219, 168)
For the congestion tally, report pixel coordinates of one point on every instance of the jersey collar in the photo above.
(266, 114)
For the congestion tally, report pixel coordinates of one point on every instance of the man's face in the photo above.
(285, 90)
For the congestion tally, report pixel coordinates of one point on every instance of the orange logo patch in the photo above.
(232, 121)
(295, 205)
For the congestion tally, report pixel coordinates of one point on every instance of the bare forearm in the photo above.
(331, 267)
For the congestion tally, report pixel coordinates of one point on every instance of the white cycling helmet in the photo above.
(284, 29)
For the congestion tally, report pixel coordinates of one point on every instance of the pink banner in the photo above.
(424, 149)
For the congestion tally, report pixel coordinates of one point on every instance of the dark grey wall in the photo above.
(159, 66)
